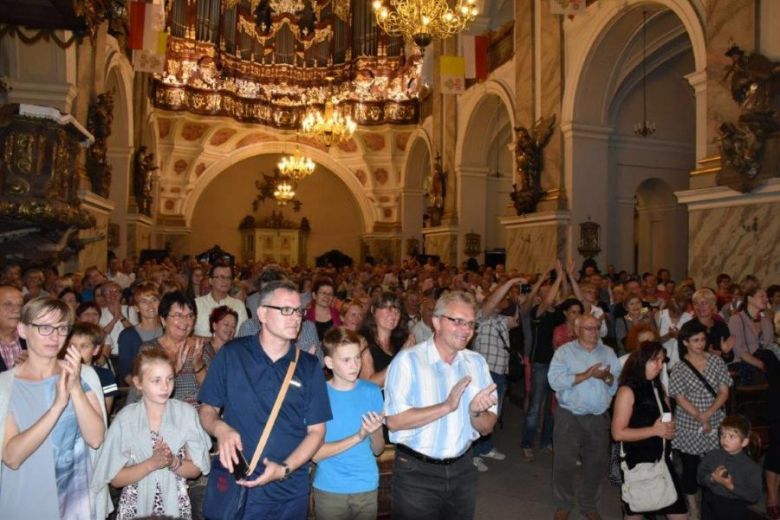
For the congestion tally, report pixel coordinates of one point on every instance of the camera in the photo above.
(525, 288)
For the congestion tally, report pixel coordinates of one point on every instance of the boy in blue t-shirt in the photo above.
(89, 339)
(347, 477)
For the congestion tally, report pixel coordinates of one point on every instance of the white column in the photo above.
(698, 81)
(621, 237)
(412, 210)
(587, 182)
(472, 198)
(121, 161)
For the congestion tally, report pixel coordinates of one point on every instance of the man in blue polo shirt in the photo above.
(244, 380)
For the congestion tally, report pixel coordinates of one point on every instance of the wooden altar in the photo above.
(274, 239)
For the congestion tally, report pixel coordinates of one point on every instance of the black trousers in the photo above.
(716, 507)
(426, 491)
(690, 467)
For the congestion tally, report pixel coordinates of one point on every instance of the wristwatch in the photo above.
(286, 471)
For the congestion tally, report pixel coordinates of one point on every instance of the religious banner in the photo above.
(148, 38)
(567, 7)
(453, 74)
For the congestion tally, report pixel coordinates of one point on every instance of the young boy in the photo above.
(347, 478)
(89, 339)
(731, 479)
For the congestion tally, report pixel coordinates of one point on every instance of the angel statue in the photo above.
(529, 145)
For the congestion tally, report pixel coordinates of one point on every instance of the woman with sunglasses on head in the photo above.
(50, 418)
(191, 361)
(386, 333)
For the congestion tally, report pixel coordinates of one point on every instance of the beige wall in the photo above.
(327, 203)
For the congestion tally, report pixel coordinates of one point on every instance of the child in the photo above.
(88, 338)
(731, 479)
(153, 446)
(347, 478)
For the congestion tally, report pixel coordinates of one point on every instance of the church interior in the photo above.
(615, 133)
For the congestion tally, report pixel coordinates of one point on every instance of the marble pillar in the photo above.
(733, 233)
(442, 241)
(95, 253)
(139, 234)
(534, 242)
(524, 63)
(548, 89)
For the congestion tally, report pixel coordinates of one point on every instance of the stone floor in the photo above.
(513, 488)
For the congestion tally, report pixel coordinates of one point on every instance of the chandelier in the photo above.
(330, 128)
(423, 20)
(284, 193)
(645, 128)
(295, 167)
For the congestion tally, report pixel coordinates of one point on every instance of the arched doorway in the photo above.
(606, 162)
(661, 229)
(417, 172)
(327, 203)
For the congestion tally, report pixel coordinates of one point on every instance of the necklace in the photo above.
(757, 317)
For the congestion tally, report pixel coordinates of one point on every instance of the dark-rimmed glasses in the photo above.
(46, 330)
(460, 322)
(288, 311)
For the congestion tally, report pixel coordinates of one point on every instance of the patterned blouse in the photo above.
(683, 382)
(186, 382)
(128, 501)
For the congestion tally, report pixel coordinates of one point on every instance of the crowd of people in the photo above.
(154, 375)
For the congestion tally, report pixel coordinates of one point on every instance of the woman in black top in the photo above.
(638, 424)
(770, 356)
(386, 331)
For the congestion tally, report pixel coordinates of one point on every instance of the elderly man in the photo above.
(583, 375)
(433, 473)
(220, 278)
(239, 393)
(12, 347)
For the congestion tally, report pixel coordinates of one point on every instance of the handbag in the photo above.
(224, 498)
(648, 486)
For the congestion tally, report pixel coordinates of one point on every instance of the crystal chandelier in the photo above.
(329, 128)
(284, 193)
(423, 20)
(295, 167)
(645, 128)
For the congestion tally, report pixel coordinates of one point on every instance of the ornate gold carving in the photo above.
(529, 145)
(101, 115)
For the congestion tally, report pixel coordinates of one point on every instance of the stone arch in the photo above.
(593, 33)
(471, 137)
(418, 165)
(367, 209)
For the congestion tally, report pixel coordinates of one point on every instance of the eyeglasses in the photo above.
(46, 330)
(461, 322)
(180, 316)
(288, 311)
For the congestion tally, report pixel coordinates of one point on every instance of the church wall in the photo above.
(327, 203)
(738, 240)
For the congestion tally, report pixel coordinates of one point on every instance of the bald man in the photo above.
(583, 374)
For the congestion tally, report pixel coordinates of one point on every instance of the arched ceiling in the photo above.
(615, 66)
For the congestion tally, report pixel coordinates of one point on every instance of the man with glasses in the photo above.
(12, 347)
(220, 279)
(243, 381)
(114, 318)
(583, 374)
(433, 472)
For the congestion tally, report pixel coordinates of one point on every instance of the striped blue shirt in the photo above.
(417, 378)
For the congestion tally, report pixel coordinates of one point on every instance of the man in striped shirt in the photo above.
(439, 398)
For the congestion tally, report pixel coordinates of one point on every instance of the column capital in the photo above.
(698, 80)
(572, 129)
